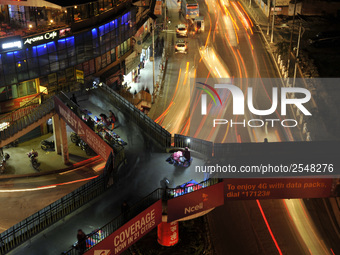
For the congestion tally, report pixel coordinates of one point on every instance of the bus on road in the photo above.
(190, 9)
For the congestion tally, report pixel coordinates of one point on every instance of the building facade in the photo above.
(52, 60)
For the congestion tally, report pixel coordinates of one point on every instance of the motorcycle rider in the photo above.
(32, 155)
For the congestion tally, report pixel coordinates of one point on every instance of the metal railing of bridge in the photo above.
(162, 136)
(120, 220)
(176, 192)
(117, 148)
(103, 232)
(24, 230)
(32, 225)
(25, 121)
(198, 145)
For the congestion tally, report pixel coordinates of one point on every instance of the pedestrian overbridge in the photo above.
(26, 123)
(173, 202)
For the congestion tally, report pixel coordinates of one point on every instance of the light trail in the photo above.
(47, 186)
(305, 226)
(268, 227)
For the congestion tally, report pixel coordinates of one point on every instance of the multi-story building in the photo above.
(75, 41)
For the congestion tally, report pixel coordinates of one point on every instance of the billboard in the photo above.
(84, 131)
(277, 188)
(195, 202)
(130, 232)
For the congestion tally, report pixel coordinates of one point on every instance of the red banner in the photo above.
(85, 132)
(277, 188)
(14, 104)
(167, 233)
(195, 202)
(130, 232)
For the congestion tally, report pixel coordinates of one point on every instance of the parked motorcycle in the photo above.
(85, 147)
(47, 145)
(75, 138)
(3, 163)
(33, 158)
(12, 144)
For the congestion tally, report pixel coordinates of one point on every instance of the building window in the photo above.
(113, 55)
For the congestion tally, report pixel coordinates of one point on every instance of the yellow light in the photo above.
(19, 65)
(75, 7)
(30, 26)
(51, 20)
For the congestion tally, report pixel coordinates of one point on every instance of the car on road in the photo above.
(181, 47)
(181, 30)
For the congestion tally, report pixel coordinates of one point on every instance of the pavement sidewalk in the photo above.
(18, 165)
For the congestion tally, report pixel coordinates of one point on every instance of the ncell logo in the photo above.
(239, 102)
(198, 207)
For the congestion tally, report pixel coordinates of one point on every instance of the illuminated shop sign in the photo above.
(41, 38)
(11, 43)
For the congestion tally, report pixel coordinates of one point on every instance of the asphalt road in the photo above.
(231, 47)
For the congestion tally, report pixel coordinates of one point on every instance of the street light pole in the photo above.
(291, 39)
(268, 17)
(272, 37)
(297, 54)
(164, 15)
(153, 60)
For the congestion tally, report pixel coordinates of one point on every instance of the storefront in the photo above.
(48, 59)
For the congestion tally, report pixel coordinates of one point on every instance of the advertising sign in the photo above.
(158, 7)
(11, 43)
(85, 132)
(14, 104)
(130, 232)
(195, 202)
(277, 188)
(42, 38)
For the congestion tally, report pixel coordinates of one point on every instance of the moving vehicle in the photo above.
(33, 158)
(181, 47)
(182, 30)
(190, 9)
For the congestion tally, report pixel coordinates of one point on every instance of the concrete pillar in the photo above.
(167, 233)
(56, 133)
(63, 134)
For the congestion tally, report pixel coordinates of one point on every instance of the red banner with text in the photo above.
(277, 188)
(130, 232)
(84, 131)
(195, 202)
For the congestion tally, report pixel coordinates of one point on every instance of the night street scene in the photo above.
(169, 127)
